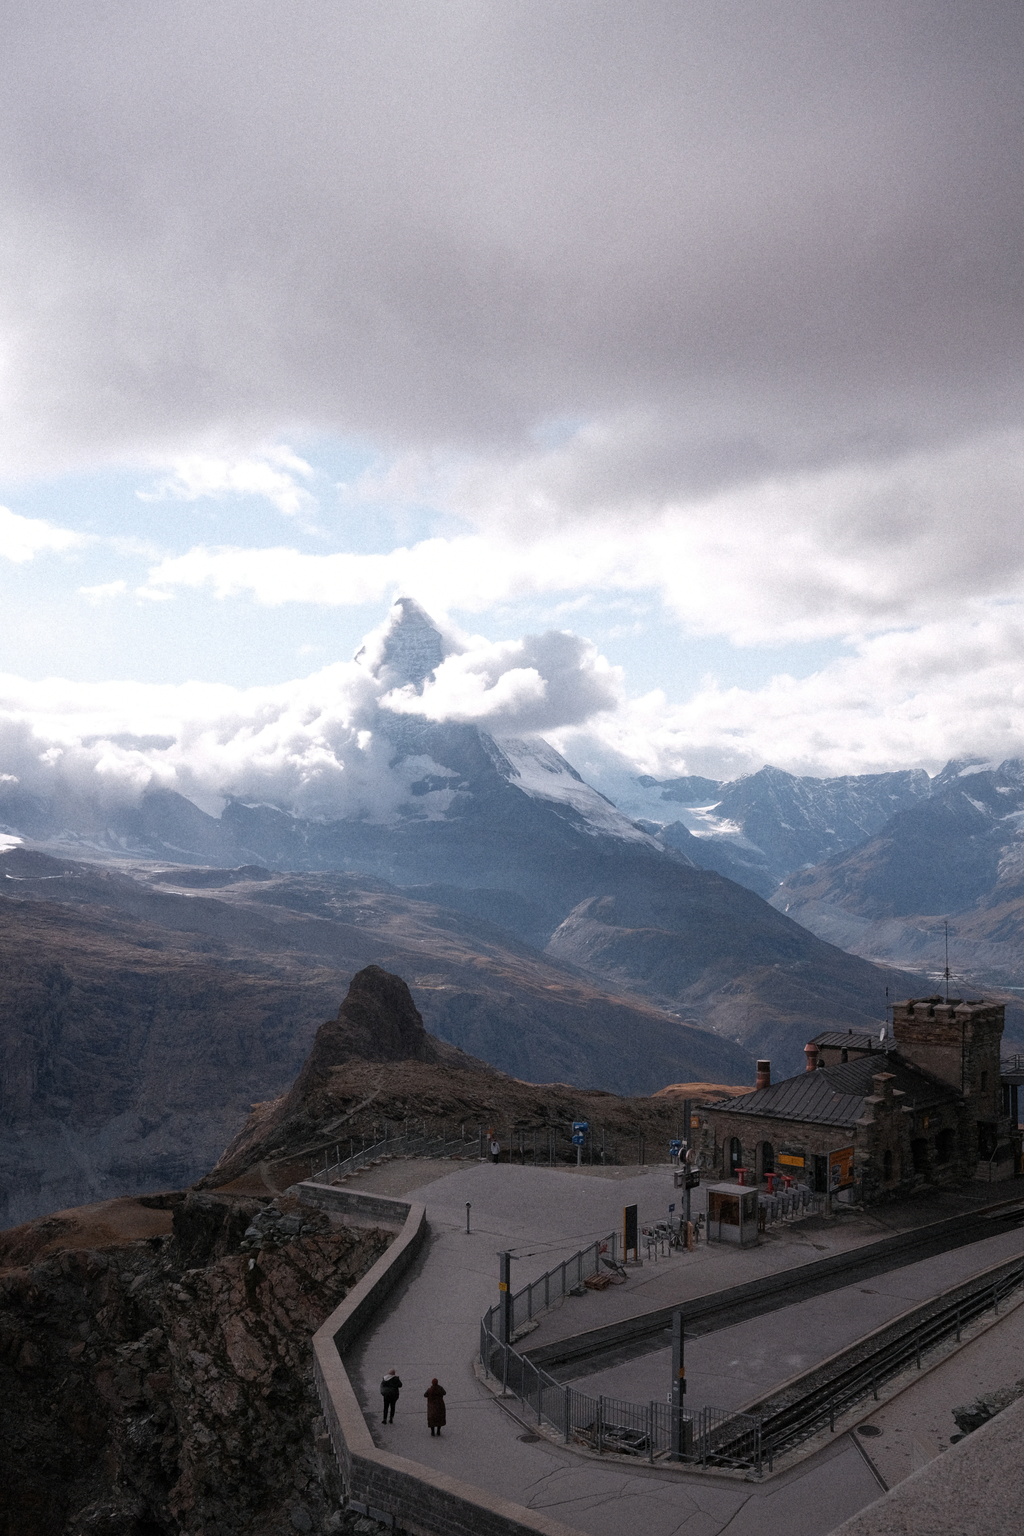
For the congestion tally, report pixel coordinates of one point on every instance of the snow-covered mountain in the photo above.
(955, 858)
(759, 828)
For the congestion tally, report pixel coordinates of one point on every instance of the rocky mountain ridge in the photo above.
(955, 859)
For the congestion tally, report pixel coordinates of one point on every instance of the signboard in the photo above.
(840, 1169)
(579, 1131)
(695, 1122)
(790, 1160)
(692, 1178)
(674, 1147)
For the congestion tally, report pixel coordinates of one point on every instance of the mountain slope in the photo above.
(759, 828)
(958, 857)
(141, 1017)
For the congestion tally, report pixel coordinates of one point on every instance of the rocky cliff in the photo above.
(161, 1385)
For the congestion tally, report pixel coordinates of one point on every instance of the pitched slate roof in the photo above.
(835, 1095)
(841, 1039)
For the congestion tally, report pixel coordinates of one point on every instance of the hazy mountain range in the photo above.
(175, 969)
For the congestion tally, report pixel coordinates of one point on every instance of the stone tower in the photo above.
(957, 1041)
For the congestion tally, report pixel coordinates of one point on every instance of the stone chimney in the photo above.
(811, 1052)
(764, 1075)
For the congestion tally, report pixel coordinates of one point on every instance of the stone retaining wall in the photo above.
(403, 1494)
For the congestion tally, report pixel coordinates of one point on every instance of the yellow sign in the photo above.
(695, 1122)
(840, 1169)
(791, 1161)
(502, 1286)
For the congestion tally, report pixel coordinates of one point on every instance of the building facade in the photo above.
(877, 1118)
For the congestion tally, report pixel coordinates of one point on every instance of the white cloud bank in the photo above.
(22, 538)
(324, 745)
(319, 746)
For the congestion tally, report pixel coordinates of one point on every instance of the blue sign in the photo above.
(579, 1125)
(671, 1209)
(577, 1140)
(674, 1148)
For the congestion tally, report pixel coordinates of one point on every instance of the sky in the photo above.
(669, 355)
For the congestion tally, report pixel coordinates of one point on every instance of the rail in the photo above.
(406, 1144)
(829, 1400)
(554, 1284)
(706, 1437)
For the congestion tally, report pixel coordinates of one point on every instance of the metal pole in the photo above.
(467, 1215)
(678, 1386)
(505, 1297)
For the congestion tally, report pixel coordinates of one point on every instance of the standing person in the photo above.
(389, 1390)
(495, 1148)
(435, 1407)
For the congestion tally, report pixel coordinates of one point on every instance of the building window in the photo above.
(945, 1146)
(919, 1152)
(735, 1154)
(887, 1166)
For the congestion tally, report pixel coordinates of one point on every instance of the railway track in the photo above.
(598, 1348)
(820, 1397)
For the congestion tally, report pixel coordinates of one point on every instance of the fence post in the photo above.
(540, 1396)
(600, 1426)
(650, 1433)
(567, 1411)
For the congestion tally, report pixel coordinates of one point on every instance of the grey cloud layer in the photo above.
(781, 235)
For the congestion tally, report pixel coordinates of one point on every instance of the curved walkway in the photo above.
(429, 1326)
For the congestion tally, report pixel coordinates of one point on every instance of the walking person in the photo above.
(435, 1407)
(389, 1390)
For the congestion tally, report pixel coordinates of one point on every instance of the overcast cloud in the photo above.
(708, 310)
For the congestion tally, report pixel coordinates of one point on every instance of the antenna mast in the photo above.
(945, 926)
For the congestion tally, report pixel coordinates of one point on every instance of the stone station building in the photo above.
(877, 1119)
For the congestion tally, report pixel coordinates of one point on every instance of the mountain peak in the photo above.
(409, 650)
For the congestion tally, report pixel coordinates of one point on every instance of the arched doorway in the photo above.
(735, 1155)
(765, 1159)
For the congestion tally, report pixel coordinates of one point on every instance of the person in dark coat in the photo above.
(435, 1407)
(389, 1390)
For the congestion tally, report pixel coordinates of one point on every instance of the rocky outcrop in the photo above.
(143, 1394)
(378, 1021)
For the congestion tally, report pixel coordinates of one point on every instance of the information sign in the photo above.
(840, 1169)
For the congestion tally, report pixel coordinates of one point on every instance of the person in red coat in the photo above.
(435, 1407)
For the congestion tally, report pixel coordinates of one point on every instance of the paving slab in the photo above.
(431, 1328)
(734, 1365)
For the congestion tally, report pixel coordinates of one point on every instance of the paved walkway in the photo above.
(431, 1329)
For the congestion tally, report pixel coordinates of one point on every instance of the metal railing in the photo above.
(403, 1144)
(706, 1437)
(555, 1283)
